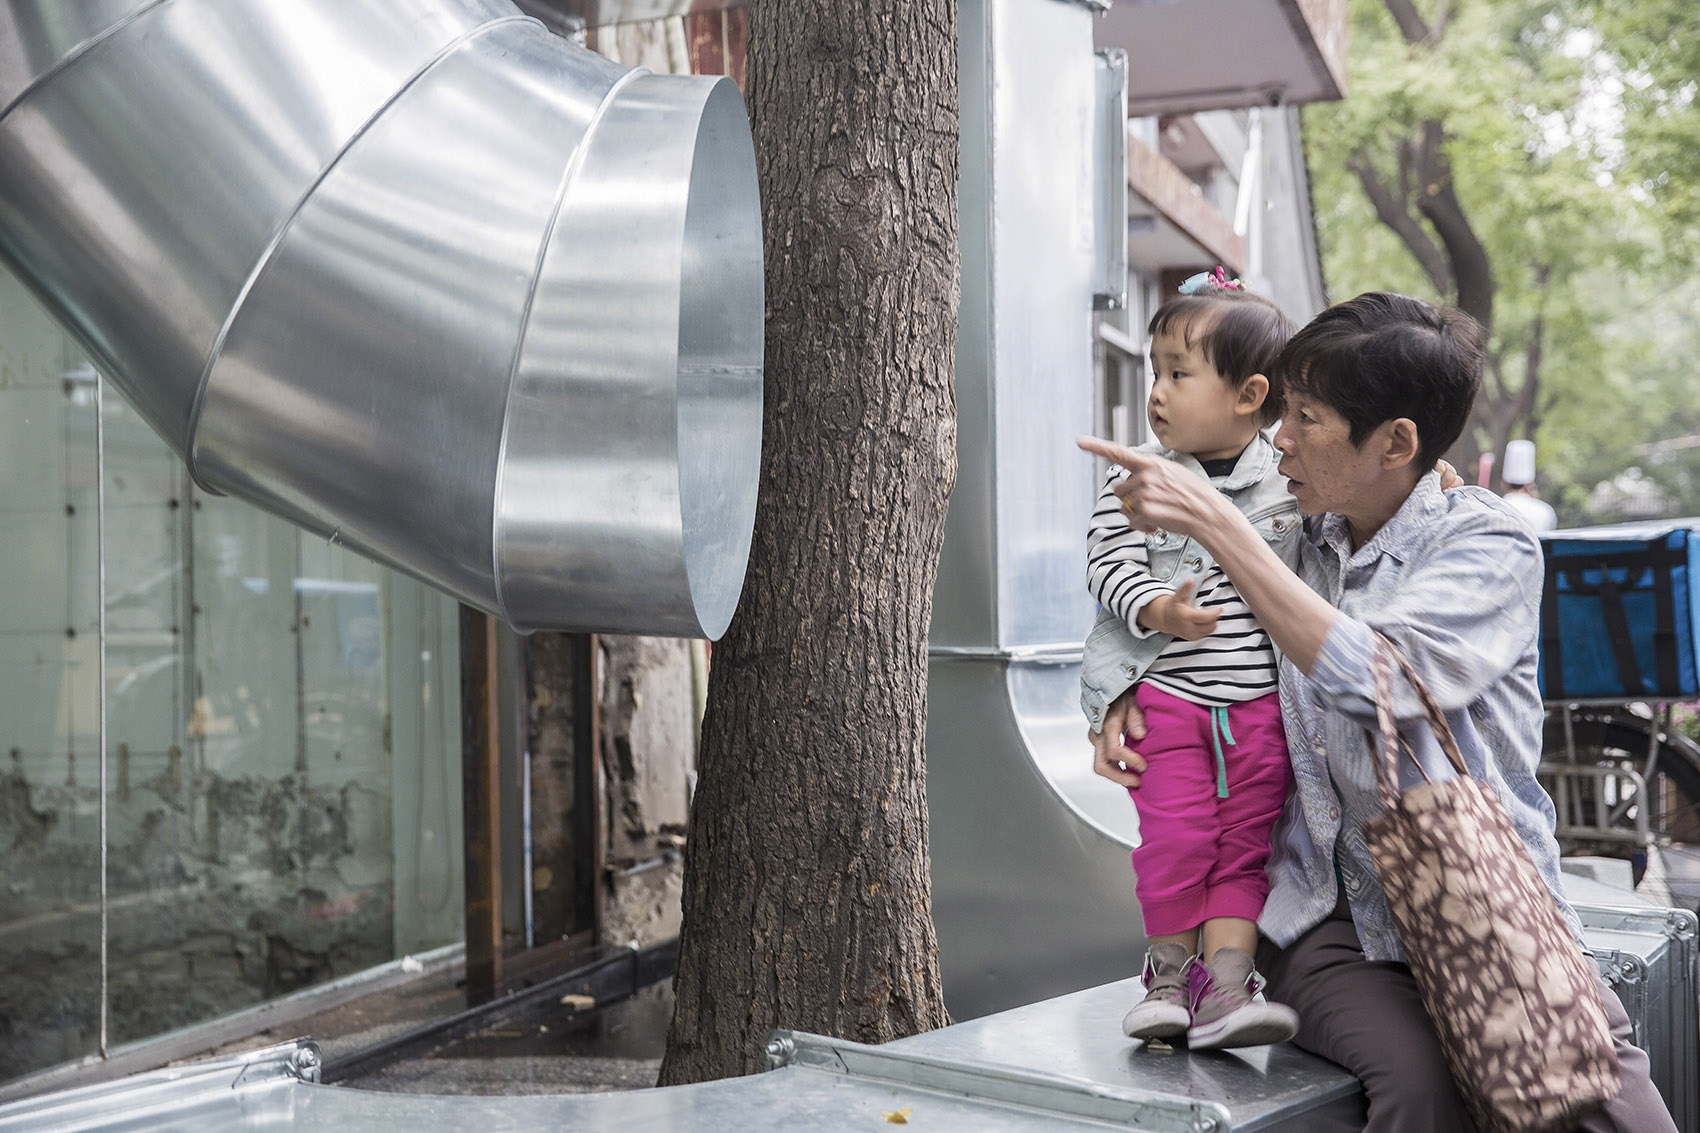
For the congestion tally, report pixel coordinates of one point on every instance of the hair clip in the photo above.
(1207, 281)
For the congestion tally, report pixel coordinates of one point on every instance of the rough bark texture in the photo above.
(807, 899)
(1420, 204)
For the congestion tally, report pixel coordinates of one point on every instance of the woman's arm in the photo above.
(1159, 495)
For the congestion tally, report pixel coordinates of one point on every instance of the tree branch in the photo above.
(1534, 356)
(1438, 202)
(1395, 215)
(1494, 379)
(1410, 21)
(1534, 353)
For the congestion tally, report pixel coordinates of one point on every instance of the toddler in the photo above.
(1171, 623)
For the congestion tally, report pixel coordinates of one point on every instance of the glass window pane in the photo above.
(283, 795)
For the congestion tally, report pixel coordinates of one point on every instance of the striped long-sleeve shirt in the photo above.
(1235, 663)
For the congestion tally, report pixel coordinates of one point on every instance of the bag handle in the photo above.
(1387, 768)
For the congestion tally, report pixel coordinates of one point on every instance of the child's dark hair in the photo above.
(1382, 356)
(1239, 333)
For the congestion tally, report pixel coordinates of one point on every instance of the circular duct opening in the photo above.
(721, 307)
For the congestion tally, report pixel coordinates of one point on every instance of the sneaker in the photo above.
(1224, 1012)
(1163, 1013)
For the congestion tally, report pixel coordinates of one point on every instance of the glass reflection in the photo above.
(283, 804)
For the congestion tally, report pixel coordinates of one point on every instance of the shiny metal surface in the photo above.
(1055, 1065)
(1050, 907)
(1109, 223)
(599, 13)
(378, 267)
(1032, 891)
(1024, 355)
(660, 369)
(1001, 1078)
(214, 1093)
(1078, 1037)
(45, 36)
(1052, 910)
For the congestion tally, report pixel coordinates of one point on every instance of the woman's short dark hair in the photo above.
(1239, 333)
(1382, 356)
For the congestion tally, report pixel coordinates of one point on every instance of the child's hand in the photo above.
(1176, 615)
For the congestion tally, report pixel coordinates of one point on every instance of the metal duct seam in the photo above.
(663, 363)
(329, 251)
(574, 162)
(271, 247)
(79, 45)
(151, 163)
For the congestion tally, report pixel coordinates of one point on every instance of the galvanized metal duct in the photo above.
(1023, 918)
(413, 274)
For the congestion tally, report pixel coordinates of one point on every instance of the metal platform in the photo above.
(1057, 1065)
(1054, 1065)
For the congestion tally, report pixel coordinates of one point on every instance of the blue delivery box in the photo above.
(1619, 618)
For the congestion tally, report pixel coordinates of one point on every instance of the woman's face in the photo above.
(1325, 471)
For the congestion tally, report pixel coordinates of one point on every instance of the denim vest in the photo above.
(1114, 658)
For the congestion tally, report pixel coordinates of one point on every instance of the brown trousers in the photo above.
(1368, 1017)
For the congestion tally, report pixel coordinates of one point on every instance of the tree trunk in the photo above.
(807, 899)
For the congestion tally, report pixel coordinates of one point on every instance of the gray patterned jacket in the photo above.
(1454, 580)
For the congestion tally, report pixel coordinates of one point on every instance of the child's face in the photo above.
(1192, 407)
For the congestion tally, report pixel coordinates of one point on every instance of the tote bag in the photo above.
(1513, 998)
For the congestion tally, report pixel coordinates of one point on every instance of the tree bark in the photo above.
(1395, 213)
(807, 899)
(1472, 272)
(1411, 24)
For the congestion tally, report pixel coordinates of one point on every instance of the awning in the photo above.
(1188, 55)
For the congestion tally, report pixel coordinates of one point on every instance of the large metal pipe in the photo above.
(413, 274)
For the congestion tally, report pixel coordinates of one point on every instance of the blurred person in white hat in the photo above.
(1519, 477)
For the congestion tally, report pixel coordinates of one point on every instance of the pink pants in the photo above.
(1201, 855)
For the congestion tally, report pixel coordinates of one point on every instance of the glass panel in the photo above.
(49, 783)
(283, 802)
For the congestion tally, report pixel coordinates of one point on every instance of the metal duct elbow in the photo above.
(416, 275)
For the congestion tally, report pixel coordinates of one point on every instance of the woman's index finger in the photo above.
(1109, 450)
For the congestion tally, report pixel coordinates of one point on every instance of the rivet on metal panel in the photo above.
(1680, 924)
(305, 1064)
(781, 1047)
(1206, 1123)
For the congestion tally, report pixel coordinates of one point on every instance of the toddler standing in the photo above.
(1171, 623)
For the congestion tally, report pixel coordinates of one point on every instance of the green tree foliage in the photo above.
(1656, 45)
(1486, 156)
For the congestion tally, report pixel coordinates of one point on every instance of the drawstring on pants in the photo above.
(1218, 733)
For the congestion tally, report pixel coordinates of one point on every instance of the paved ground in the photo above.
(538, 1044)
(549, 1050)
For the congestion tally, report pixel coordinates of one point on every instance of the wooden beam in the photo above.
(481, 803)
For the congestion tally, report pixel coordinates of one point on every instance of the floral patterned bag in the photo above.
(1514, 1000)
